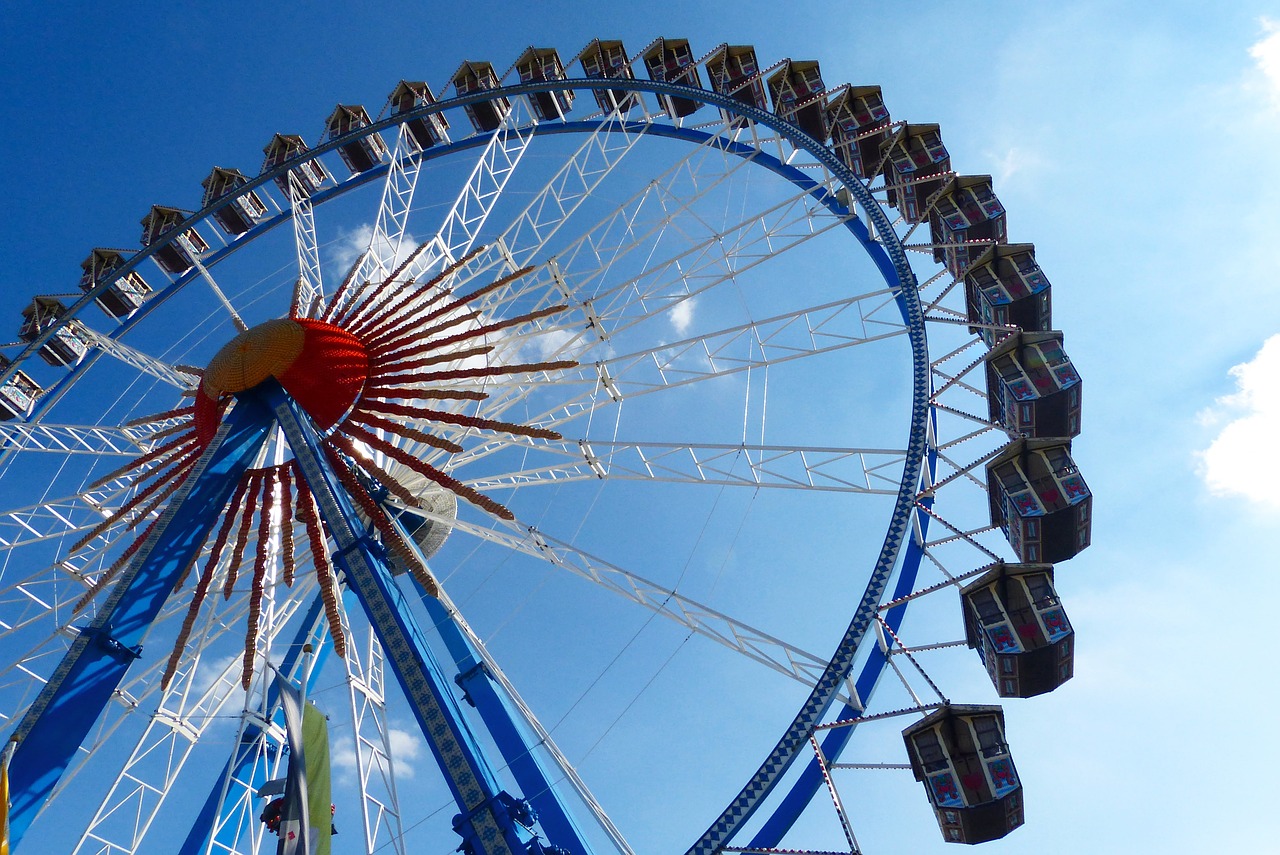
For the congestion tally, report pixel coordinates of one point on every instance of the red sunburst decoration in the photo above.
(373, 360)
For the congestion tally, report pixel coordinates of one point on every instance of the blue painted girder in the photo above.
(486, 814)
(64, 712)
(517, 744)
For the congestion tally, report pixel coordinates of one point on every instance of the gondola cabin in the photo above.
(239, 214)
(18, 394)
(539, 64)
(362, 154)
(916, 165)
(1032, 388)
(122, 296)
(428, 130)
(859, 124)
(607, 60)
(1013, 618)
(796, 89)
(1005, 287)
(310, 174)
(960, 755)
(671, 61)
(66, 345)
(1039, 499)
(172, 256)
(477, 77)
(965, 219)
(734, 71)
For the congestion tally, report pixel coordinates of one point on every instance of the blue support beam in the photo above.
(515, 742)
(490, 821)
(82, 685)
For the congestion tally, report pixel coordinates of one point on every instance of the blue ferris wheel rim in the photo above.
(886, 252)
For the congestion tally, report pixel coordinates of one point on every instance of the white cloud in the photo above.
(348, 247)
(1266, 57)
(1014, 160)
(1230, 465)
(682, 315)
(405, 749)
(342, 757)
(551, 343)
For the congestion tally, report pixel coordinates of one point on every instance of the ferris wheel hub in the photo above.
(323, 367)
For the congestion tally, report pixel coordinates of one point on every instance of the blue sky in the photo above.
(1134, 147)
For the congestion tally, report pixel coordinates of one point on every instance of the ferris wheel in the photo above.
(649, 435)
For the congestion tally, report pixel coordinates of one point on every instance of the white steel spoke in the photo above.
(825, 469)
(380, 806)
(393, 211)
(157, 368)
(711, 261)
(531, 230)
(488, 181)
(781, 338)
(795, 335)
(308, 291)
(594, 160)
(704, 620)
(54, 518)
(24, 675)
(481, 192)
(190, 249)
(45, 595)
(76, 439)
(632, 225)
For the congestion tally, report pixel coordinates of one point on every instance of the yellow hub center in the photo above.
(267, 350)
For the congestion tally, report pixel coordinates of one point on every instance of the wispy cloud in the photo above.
(1013, 161)
(1266, 58)
(405, 749)
(682, 315)
(551, 343)
(1249, 417)
(351, 243)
